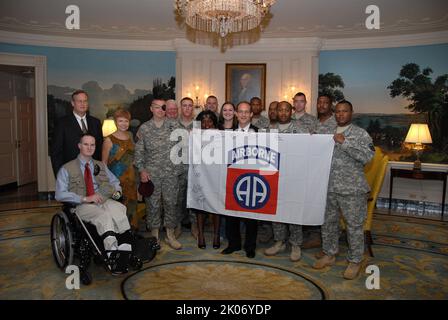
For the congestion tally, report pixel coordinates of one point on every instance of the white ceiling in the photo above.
(155, 19)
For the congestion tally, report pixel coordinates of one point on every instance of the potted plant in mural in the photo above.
(429, 98)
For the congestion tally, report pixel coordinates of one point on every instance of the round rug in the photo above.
(219, 280)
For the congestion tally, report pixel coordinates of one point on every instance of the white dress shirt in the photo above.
(78, 118)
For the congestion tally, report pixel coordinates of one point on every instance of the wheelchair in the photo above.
(76, 242)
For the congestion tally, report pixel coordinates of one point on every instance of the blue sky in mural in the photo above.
(111, 77)
(367, 73)
(71, 67)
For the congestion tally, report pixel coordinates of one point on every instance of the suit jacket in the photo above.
(250, 127)
(66, 138)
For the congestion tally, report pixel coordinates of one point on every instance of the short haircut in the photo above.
(241, 102)
(171, 101)
(186, 98)
(122, 113)
(87, 134)
(285, 102)
(210, 114)
(213, 97)
(345, 102)
(78, 92)
(326, 95)
(300, 94)
(254, 98)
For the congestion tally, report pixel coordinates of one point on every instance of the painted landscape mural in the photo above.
(112, 78)
(390, 89)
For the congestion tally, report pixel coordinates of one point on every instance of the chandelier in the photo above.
(223, 16)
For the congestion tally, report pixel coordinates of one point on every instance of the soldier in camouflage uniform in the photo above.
(152, 159)
(347, 191)
(272, 113)
(285, 125)
(258, 120)
(326, 122)
(302, 118)
(186, 122)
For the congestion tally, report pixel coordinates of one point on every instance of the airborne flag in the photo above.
(263, 176)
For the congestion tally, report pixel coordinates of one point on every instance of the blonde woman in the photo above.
(118, 155)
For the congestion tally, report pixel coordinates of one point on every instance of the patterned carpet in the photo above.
(411, 253)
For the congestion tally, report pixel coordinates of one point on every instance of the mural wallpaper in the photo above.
(127, 79)
(390, 89)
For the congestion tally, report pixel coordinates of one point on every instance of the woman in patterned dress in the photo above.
(118, 155)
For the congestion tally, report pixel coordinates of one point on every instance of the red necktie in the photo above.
(88, 180)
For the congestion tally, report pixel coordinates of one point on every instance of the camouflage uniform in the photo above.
(347, 191)
(261, 123)
(281, 229)
(327, 127)
(152, 153)
(307, 121)
(183, 184)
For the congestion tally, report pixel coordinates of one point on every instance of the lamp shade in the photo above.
(108, 127)
(418, 133)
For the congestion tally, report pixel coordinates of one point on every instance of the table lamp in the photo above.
(417, 135)
(109, 127)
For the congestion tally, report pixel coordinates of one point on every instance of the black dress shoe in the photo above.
(229, 250)
(250, 254)
(216, 243)
(201, 245)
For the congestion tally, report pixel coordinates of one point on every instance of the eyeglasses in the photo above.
(156, 106)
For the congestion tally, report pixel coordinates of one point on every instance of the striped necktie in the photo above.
(83, 126)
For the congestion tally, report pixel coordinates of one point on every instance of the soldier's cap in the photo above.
(146, 189)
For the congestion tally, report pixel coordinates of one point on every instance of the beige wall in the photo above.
(288, 65)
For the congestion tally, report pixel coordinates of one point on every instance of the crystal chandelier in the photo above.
(223, 16)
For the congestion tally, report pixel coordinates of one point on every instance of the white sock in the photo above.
(125, 247)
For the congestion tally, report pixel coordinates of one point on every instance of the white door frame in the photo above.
(40, 71)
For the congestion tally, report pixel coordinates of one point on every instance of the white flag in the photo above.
(263, 176)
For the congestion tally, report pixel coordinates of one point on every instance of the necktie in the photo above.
(88, 180)
(83, 126)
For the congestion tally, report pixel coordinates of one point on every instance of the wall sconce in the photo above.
(109, 127)
(417, 135)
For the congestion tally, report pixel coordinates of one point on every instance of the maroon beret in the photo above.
(146, 188)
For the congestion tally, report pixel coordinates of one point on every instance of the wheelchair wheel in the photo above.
(61, 240)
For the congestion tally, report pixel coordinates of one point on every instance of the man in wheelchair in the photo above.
(90, 186)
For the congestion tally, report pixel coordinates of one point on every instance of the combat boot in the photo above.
(320, 254)
(278, 246)
(352, 270)
(324, 261)
(296, 253)
(171, 239)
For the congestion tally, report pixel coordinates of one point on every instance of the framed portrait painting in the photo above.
(245, 81)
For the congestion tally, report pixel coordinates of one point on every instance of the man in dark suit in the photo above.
(244, 115)
(69, 129)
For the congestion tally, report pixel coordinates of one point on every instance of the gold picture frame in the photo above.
(245, 81)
